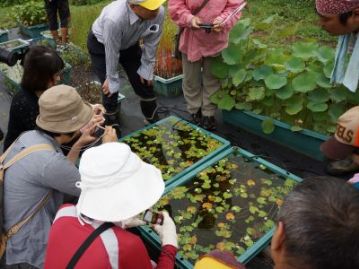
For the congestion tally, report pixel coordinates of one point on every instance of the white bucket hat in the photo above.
(116, 184)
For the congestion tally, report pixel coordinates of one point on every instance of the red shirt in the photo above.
(67, 234)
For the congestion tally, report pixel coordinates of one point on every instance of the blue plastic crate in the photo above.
(152, 238)
(168, 87)
(33, 31)
(4, 35)
(167, 121)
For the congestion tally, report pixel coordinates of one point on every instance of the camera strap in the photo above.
(85, 245)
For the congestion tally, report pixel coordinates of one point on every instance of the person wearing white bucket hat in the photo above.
(116, 186)
(37, 174)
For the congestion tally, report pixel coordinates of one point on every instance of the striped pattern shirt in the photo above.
(119, 28)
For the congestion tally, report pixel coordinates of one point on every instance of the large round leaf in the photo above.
(325, 54)
(227, 102)
(317, 107)
(239, 77)
(324, 82)
(255, 94)
(294, 105)
(217, 96)
(338, 94)
(276, 57)
(219, 69)
(335, 111)
(320, 116)
(243, 106)
(328, 68)
(232, 54)
(262, 72)
(268, 126)
(275, 81)
(284, 92)
(295, 65)
(240, 31)
(319, 96)
(304, 50)
(305, 82)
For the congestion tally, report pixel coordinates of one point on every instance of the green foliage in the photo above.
(291, 85)
(29, 13)
(84, 2)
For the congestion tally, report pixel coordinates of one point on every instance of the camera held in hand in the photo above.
(153, 217)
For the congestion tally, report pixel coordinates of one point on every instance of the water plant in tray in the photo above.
(172, 146)
(228, 206)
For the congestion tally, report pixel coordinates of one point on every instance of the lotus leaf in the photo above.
(275, 81)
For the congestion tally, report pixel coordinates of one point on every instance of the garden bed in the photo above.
(305, 141)
(229, 203)
(175, 146)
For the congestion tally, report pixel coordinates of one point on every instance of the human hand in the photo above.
(146, 82)
(106, 88)
(98, 109)
(217, 25)
(109, 135)
(195, 22)
(167, 231)
(87, 132)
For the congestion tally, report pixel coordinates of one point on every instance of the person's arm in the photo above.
(180, 13)
(230, 7)
(150, 44)
(112, 43)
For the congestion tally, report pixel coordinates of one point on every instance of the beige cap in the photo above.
(62, 110)
(346, 137)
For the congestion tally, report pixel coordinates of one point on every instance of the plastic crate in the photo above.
(305, 141)
(4, 35)
(168, 87)
(152, 238)
(33, 31)
(172, 121)
(15, 45)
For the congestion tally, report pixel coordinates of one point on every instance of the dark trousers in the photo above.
(60, 6)
(130, 59)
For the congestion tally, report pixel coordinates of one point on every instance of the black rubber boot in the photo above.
(209, 123)
(113, 120)
(197, 117)
(149, 110)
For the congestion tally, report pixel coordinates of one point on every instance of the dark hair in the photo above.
(321, 223)
(52, 134)
(343, 18)
(41, 63)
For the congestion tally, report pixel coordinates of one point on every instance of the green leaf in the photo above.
(285, 92)
(324, 82)
(275, 81)
(219, 69)
(268, 126)
(304, 50)
(317, 107)
(232, 54)
(259, 44)
(227, 102)
(325, 54)
(335, 111)
(296, 128)
(338, 94)
(256, 94)
(243, 106)
(239, 77)
(294, 105)
(305, 82)
(295, 65)
(240, 31)
(262, 72)
(276, 57)
(319, 96)
(328, 68)
(217, 96)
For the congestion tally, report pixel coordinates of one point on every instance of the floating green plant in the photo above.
(172, 146)
(229, 206)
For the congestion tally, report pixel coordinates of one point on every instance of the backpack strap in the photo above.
(84, 246)
(15, 228)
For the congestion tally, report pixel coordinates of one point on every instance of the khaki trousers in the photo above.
(198, 85)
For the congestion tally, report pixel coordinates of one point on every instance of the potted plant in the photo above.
(282, 94)
(4, 35)
(174, 146)
(31, 18)
(230, 203)
(168, 70)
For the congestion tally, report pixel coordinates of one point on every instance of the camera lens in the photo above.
(8, 57)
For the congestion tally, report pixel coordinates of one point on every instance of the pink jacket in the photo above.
(197, 43)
